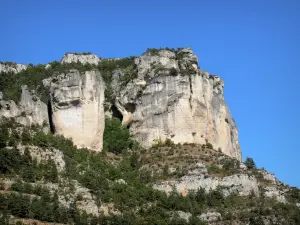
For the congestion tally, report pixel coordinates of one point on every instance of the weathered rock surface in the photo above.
(11, 67)
(241, 184)
(174, 99)
(82, 58)
(210, 217)
(77, 107)
(268, 176)
(46, 154)
(30, 110)
(36, 111)
(275, 192)
(171, 98)
(184, 215)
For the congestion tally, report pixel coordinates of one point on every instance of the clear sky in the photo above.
(253, 45)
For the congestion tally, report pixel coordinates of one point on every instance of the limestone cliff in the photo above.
(172, 98)
(77, 107)
(11, 67)
(163, 94)
(29, 111)
(82, 58)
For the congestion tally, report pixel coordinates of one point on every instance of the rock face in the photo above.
(210, 217)
(30, 110)
(82, 58)
(11, 67)
(77, 107)
(274, 191)
(170, 98)
(174, 99)
(241, 184)
(34, 108)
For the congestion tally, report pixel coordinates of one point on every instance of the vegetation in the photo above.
(160, 143)
(10, 83)
(76, 53)
(155, 51)
(28, 197)
(249, 162)
(116, 137)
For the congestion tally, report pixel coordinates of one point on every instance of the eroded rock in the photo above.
(176, 100)
(241, 184)
(11, 67)
(82, 58)
(30, 110)
(77, 107)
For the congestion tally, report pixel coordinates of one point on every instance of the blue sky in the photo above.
(253, 45)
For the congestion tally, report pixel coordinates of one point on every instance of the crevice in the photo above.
(116, 113)
(130, 107)
(49, 108)
(191, 91)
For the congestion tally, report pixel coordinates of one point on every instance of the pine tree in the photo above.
(249, 162)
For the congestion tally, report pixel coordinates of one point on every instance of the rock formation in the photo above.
(77, 107)
(11, 67)
(167, 97)
(30, 110)
(172, 98)
(241, 184)
(82, 58)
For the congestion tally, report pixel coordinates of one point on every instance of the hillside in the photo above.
(46, 179)
(138, 140)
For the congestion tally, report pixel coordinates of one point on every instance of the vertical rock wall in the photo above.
(171, 98)
(77, 107)
(176, 100)
(29, 111)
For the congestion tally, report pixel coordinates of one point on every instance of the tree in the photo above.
(249, 162)
(116, 137)
(4, 136)
(200, 195)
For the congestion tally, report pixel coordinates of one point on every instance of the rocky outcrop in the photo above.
(35, 110)
(241, 184)
(210, 217)
(82, 58)
(167, 97)
(77, 107)
(174, 99)
(268, 176)
(30, 110)
(11, 67)
(45, 155)
(275, 192)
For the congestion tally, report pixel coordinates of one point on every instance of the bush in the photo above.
(209, 145)
(160, 143)
(230, 164)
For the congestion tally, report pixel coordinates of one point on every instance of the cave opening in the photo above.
(130, 107)
(49, 108)
(116, 113)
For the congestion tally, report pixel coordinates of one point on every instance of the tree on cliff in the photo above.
(116, 137)
(249, 162)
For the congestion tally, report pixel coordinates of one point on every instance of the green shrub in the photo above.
(116, 137)
(230, 164)
(209, 145)
(214, 169)
(249, 162)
